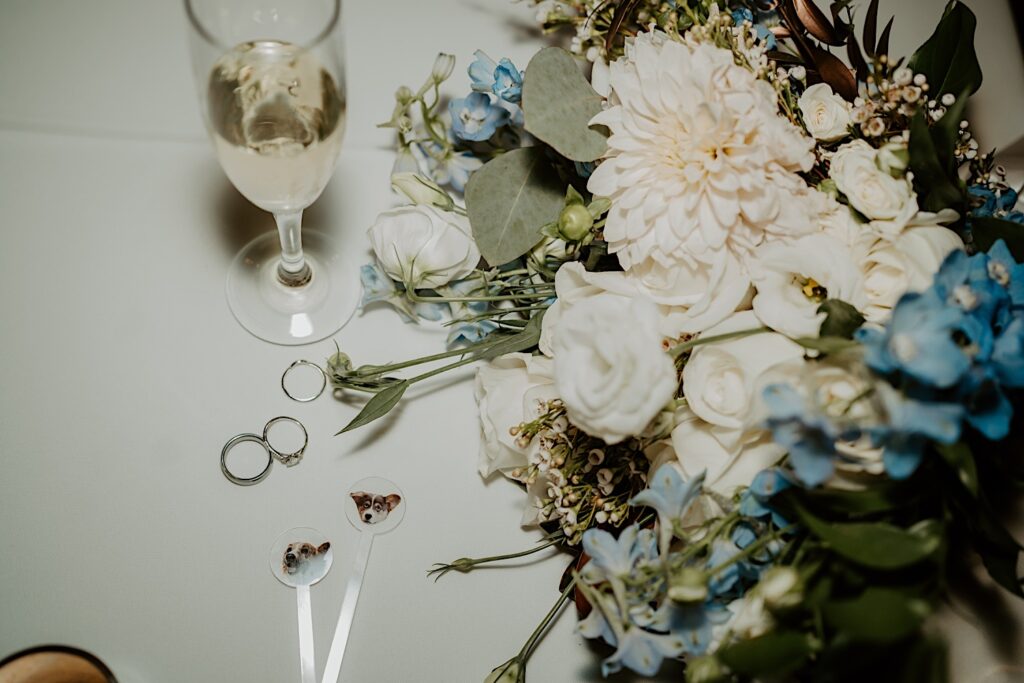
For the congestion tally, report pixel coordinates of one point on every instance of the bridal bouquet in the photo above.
(751, 322)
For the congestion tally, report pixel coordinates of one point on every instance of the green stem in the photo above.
(467, 564)
(374, 370)
(535, 637)
(751, 549)
(443, 368)
(413, 296)
(680, 349)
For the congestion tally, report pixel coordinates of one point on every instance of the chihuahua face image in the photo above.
(373, 507)
(298, 553)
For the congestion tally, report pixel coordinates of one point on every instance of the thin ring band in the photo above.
(234, 441)
(287, 459)
(304, 399)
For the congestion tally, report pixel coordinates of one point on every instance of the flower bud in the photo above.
(509, 672)
(339, 363)
(403, 95)
(574, 222)
(706, 669)
(828, 186)
(780, 587)
(420, 190)
(688, 586)
(893, 158)
(443, 67)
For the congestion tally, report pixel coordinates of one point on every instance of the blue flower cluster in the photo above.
(743, 14)
(630, 582)
(946, 358)
(477, 116)
(1000, 205)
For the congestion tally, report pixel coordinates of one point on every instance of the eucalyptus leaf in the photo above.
(947, 58)
(558, 104)
(772, 655)
(508, 200)
(989, 230)
(878, 614)
(876, 545)
(841, 319)
(378, 406)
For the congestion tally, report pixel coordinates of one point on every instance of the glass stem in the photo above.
(293, 271)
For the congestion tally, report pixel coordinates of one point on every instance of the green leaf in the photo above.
(934, 168)
(527, 338)
(885, 496)
(508, 200)
(987, 231)
(877, 614)
(841, 319)
(947, 59)
(773, 654)
(876, 545)
(959, 457)
(378, 406)
(826, 345)
(558, 104)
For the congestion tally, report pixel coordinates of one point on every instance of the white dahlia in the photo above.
(701, 168)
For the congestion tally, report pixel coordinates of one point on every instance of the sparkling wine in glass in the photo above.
(272, 89)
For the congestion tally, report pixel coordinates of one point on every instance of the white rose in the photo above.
(423, 247)
(870, 190)
(508, 392)
(610, 368)
(720, 381)
(826, 114)
(793, 279)
(892, 268)
(574, 283)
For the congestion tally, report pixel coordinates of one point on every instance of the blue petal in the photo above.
(902, 456)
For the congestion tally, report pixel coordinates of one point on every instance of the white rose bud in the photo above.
(869, 189)
(826, 114)
(420, 190)
(893, 158)
(610, 369)
(422, 247)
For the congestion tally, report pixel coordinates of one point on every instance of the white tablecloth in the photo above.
(124, 373)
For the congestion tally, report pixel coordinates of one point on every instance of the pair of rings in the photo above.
(285, 458)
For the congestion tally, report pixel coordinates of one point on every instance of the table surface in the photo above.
(124, 373)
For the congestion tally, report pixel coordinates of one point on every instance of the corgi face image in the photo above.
(296, 554)
(373, 508)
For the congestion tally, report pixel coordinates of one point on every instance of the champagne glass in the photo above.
(271, 84)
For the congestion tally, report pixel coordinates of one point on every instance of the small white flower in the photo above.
(596, 456)
(420, 190)
(423, 247)
(903, 76)
(610, 369)
(826, 115)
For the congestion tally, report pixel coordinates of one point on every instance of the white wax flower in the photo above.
(873, 192)
(508, 391)
(423, 247)
(700, 168)
(610, 368)
(793, 279)
(826, 115)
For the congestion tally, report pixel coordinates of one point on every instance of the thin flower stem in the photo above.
(751, 549)
(468, 564)
(444, 368)
(413, 296)
(381, 369)
(538, 633)
(680, 349)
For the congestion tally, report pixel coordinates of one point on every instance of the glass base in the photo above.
(286, 315)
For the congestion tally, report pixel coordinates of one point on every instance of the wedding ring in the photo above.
(304, 399)
(234, 441)
(287, 459)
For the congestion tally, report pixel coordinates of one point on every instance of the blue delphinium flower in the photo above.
(988, 200)
(377, 286)
(613, 558)
(465, 332)
(475, 117)
(501, 78)
(669, 494)
(908, 427)
(808, 435)
(743, 14)
(756, 501)
(1005, 271)
(694, 624)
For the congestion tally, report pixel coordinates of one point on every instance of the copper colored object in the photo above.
(54, 664)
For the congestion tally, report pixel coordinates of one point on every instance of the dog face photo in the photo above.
(373, 508)
(298, 555)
